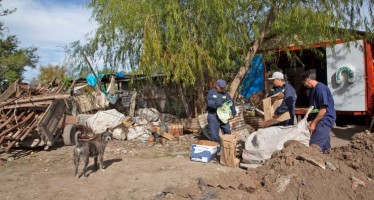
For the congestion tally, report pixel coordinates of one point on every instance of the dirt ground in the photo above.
(136, 170)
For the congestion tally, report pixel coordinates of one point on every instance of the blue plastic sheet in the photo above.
(91, 80)
(254, 78)
(120, 74)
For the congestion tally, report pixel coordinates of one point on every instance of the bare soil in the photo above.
(136, 170)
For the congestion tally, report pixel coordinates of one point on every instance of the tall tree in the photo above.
(196, 41)
(49, 72)
(13, 59)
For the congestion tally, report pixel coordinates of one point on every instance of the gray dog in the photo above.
(94, 147)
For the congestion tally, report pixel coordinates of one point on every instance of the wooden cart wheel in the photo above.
(68, 134)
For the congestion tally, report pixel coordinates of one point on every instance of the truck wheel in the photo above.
(68, 134)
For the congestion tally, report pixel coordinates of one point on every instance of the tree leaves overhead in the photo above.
(190, 40)
(13, 59)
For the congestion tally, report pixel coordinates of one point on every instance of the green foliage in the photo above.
(49, 72)
(13, 59)
(67, 82)
(197, 40)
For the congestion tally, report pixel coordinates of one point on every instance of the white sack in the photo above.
(137, 131)
(140, 121)
(119, 134)
(261, 144)
(102, 120)
(150, 114)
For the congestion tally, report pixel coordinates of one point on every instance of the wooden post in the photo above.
(12, 89)
(133, 103)
(228, 150)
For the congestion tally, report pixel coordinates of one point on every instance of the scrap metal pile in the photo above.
(30, 117)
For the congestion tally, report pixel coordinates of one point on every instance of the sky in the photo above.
(48, 25)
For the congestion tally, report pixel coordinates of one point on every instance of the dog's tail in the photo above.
(76, 137)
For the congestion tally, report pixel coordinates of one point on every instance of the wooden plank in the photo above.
(39, 99)
(29, 116)
(167, 135)
(267, 109)
(69, 119)
(163, 134)
(276, 104)
(43, 104)
(6, 122)
(132, 104)
(12, 89)
(275, 120)
(48, 124)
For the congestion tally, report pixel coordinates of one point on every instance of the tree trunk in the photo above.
(240, 75)
(184, 101)
(252, 51)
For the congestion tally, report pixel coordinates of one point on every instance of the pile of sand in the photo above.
(295, 172)
(358, 154)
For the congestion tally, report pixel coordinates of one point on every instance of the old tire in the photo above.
(68, 134)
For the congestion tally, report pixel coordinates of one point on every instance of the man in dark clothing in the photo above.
(216, 98)
(289, 99)
(323, 115)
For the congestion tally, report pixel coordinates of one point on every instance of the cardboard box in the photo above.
(204, 151)
(207, 143)
(228, 150)
(270, 104)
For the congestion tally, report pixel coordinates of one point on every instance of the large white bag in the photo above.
(105, 119)
(150, 114)
(261, 144)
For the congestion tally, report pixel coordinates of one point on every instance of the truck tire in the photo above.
(68, 134)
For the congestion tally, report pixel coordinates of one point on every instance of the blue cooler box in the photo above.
(203, 153)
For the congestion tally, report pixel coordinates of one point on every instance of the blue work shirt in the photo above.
(320, 96)
(215, 100)
(288, 103)
(275, 90)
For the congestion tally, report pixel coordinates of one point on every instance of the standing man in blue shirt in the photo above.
(323, 116)
(289, 99)
(216, 98)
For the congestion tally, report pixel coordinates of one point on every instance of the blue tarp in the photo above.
(91, 80)
(120, 74)
(254, 78)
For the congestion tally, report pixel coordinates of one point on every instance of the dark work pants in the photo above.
(214, 125)
(321, 136)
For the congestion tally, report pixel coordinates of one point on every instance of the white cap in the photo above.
(277, 75)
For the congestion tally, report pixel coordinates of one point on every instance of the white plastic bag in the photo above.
(224, 112)
(261, 144)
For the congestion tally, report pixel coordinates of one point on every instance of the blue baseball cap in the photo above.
(221, 83)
